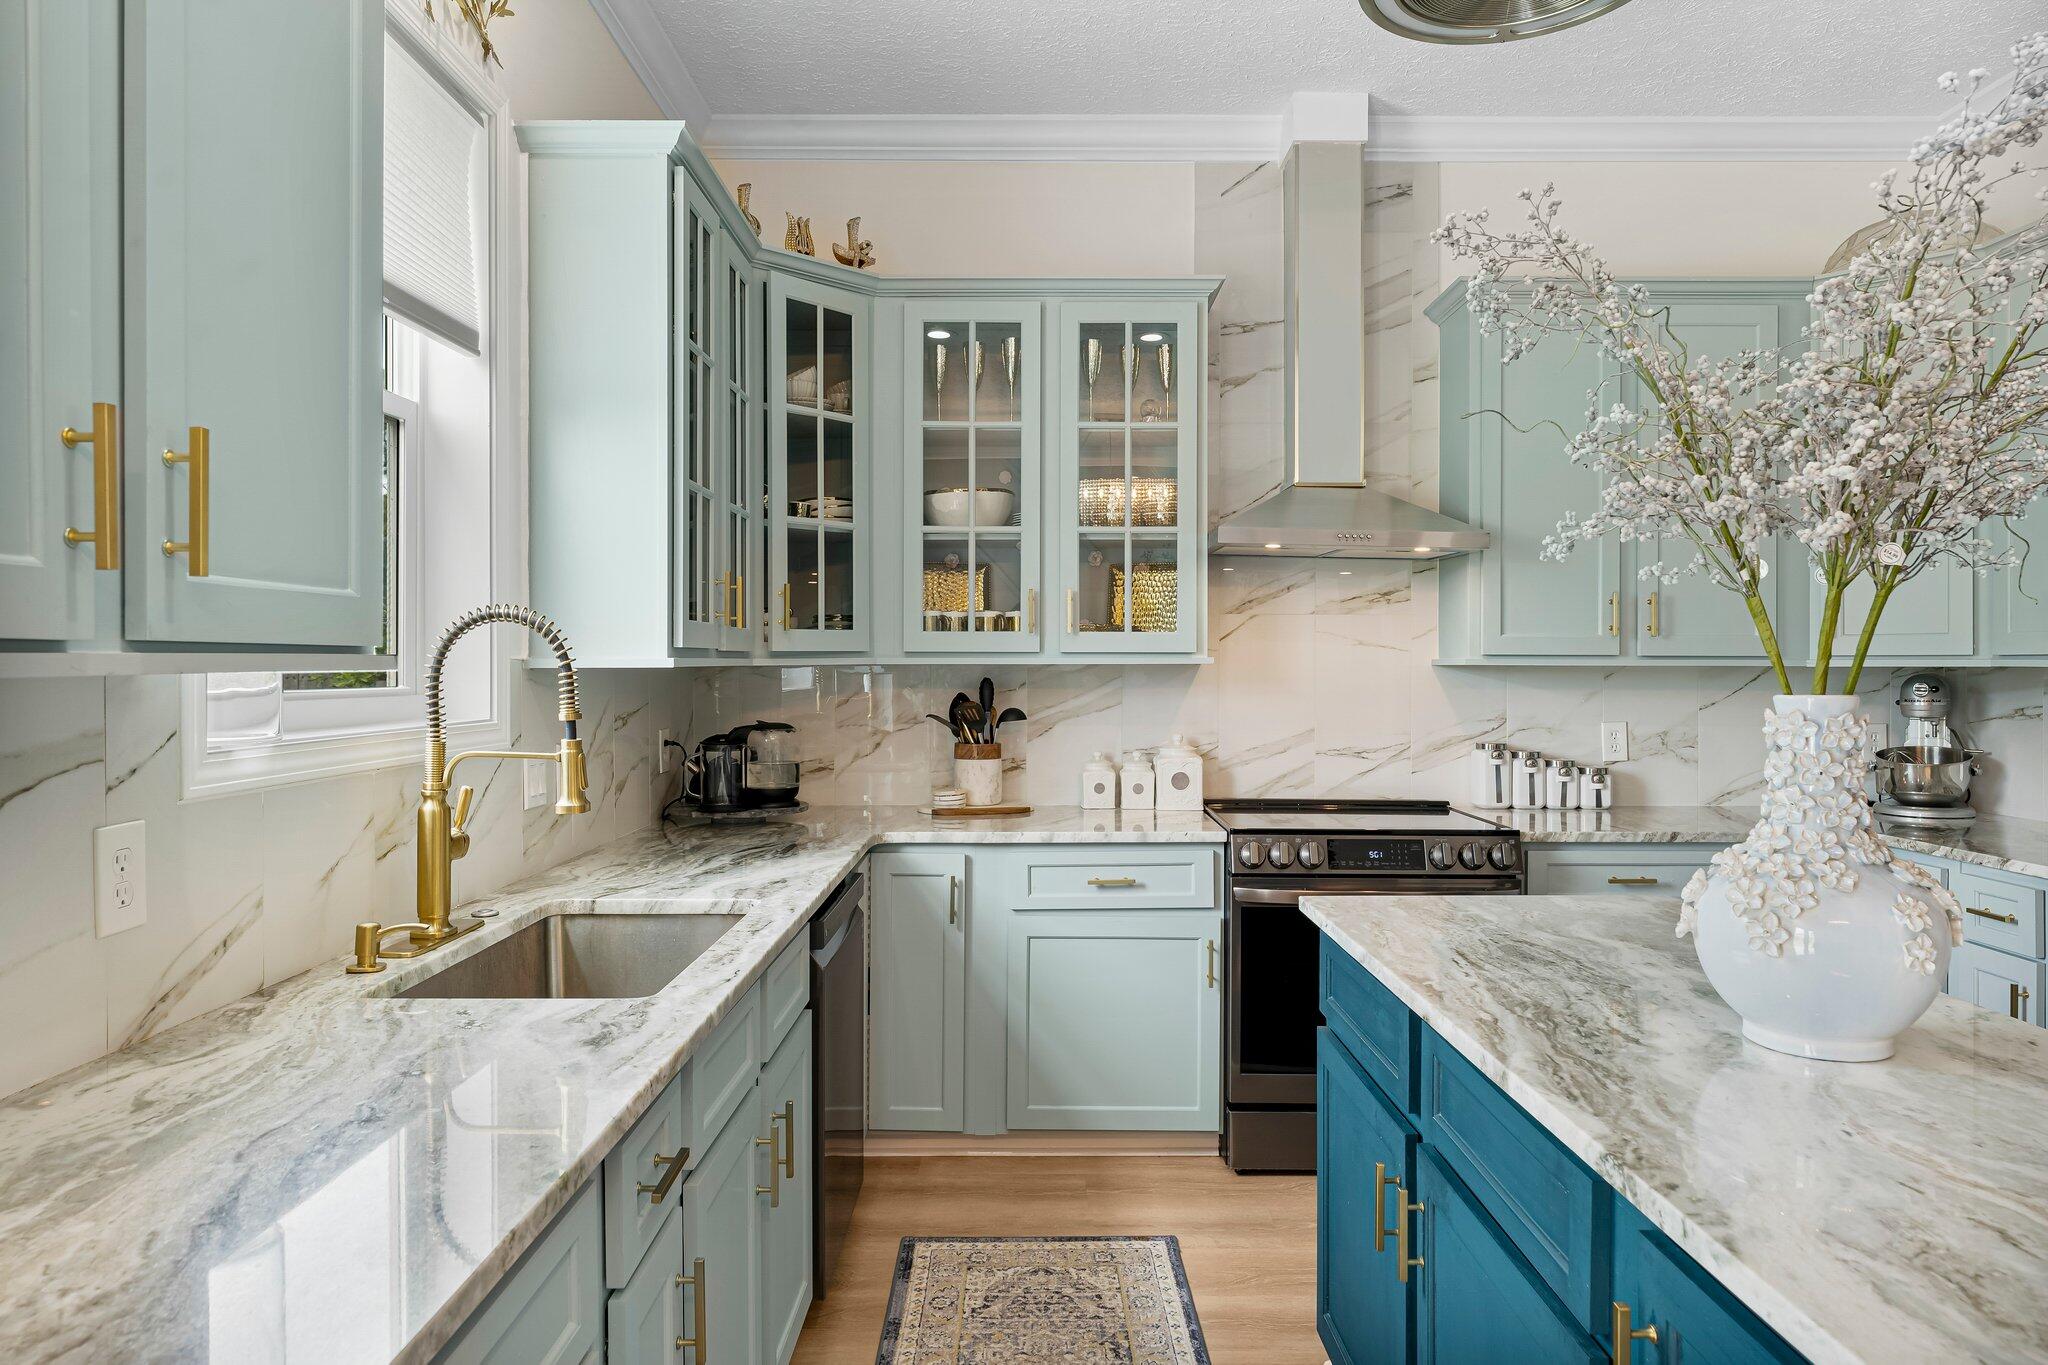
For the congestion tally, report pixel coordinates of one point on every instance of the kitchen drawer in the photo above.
(2015, 986)
(722, 1070)
(1375, 1027)
(1142, 878)
(1548, 1202)
(1999, 911)
(785, 993)
(653, 1154)
(1660, 869)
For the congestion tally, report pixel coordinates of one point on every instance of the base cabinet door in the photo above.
(551, 1309)
(722, 1243)
(1998, 981)
(1696, 1320)
(786, 1121)
(918, 992)
(1364, 1154)
(643, 1322)
(1476, 1299)
(1113, 1019)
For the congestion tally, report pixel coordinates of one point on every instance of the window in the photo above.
(447, 463)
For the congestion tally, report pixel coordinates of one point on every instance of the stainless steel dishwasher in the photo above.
(839, 1062)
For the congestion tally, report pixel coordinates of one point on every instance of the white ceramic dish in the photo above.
(950, 507)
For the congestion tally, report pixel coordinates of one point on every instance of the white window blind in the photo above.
(433, 159)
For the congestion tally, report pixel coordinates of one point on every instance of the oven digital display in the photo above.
(1376, 855)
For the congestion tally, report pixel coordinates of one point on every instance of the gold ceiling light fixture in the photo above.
(1481, 21)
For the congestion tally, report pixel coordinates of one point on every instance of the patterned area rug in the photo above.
(1041, 1301)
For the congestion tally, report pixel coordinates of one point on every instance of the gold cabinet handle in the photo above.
(773, 1189)
(198, 462)
(105, 440)
(1381, 1183)
(671, 1173)
(1404, 1262)
(952, 899)
(739, 601)
(1112, 881)
(1070, 611)
(789, 1139)
(1031, 612)
(1626, 1336)
(1631, 881)
(1212, 964)
(1614, 613)
(1651, 603)
(702, 1341)
(788, 620)
(1991, 915)
(2017, 1000)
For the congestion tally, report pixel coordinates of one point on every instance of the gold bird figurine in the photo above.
(856, 253)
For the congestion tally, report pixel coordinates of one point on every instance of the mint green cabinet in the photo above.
(60, 242)
(818, 432)
(1129, 507)
(2017, 598)
(252, 321)
(1933, 615)
(918, 990)
(704, 588)
(644, 1317)
(550, 1310)
(1113, 1019)
(722, 1241)
(973, 460)
(785, 1120)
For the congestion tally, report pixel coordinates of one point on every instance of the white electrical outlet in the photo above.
(535, 775)
(120, 871)
(662, 762)
(1614, 741)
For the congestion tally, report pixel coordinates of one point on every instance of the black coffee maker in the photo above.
(751, 768)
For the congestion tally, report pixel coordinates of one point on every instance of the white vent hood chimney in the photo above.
(1326, 511)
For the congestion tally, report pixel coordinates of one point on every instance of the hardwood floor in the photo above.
(1248, 1241)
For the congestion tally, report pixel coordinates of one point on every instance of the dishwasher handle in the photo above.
(835, 922)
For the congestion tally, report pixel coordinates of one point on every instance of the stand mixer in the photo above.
(1926, 780)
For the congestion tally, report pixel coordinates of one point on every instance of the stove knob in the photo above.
(1281, 854)
(1440, 855)
(1311, 854)
(1250, 853)
(1472, 856)
(1502, 854)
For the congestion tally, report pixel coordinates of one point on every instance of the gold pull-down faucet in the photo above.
(440, 838)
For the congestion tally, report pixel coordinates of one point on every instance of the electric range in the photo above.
(1279, 851)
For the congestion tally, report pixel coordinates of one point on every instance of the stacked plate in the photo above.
(948, 798)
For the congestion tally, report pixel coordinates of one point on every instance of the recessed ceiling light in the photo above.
(1481, 21)
(1272, 544)
(1229, 568)
(1151, 336)
(1343, 573)
(939, 334)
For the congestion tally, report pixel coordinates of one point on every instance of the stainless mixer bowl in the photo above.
(1914, 776)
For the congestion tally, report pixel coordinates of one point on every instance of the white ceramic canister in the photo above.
(1098, 783)
(1596, 789)
(978, 771)
(1134, 781)
(1529, 793)
(1562, 790)
(1490, 775)
(1177, 774)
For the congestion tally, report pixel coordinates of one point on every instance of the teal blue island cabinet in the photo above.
(1451, 1229)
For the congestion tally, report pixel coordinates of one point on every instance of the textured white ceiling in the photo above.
(1671, 58)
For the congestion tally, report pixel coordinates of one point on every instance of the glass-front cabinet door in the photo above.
(972, 458)
(1129, 507)
(701, 593)
(740, 354)
(817, 468)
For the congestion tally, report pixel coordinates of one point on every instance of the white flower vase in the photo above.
(1825, 944)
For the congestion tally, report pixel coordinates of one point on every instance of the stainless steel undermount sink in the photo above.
(579, 957)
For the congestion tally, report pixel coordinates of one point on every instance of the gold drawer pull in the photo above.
(1625, 1335)
(659, 1190)
(773, 1189)
(1403, 1261)
(2017, 1000)
(105, 440)
(198, 462)
(1112, 881)
(1381, 1182)
(1991, 915)
(702, 1341)
(1631, 881)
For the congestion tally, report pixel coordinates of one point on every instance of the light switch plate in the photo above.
(120, 878)
(534, 775)
(662, 762)
(1614, 741)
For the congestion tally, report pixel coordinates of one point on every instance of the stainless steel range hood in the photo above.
(1326, 511)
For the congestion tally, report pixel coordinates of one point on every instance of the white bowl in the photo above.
(951, 506)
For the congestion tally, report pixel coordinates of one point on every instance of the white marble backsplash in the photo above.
(248, 889)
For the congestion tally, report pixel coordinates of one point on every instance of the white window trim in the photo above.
(451, 55)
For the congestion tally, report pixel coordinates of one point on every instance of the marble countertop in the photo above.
(1868, 1211)
(322, 1172)
(2004, 843)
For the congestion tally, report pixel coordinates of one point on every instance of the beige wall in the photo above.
(987, 218)
(561, 62)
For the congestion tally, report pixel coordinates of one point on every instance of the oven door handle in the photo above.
(1292, 895)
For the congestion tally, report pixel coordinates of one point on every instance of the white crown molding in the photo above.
(654, 59)
(1396, 137)
(1022, 137)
